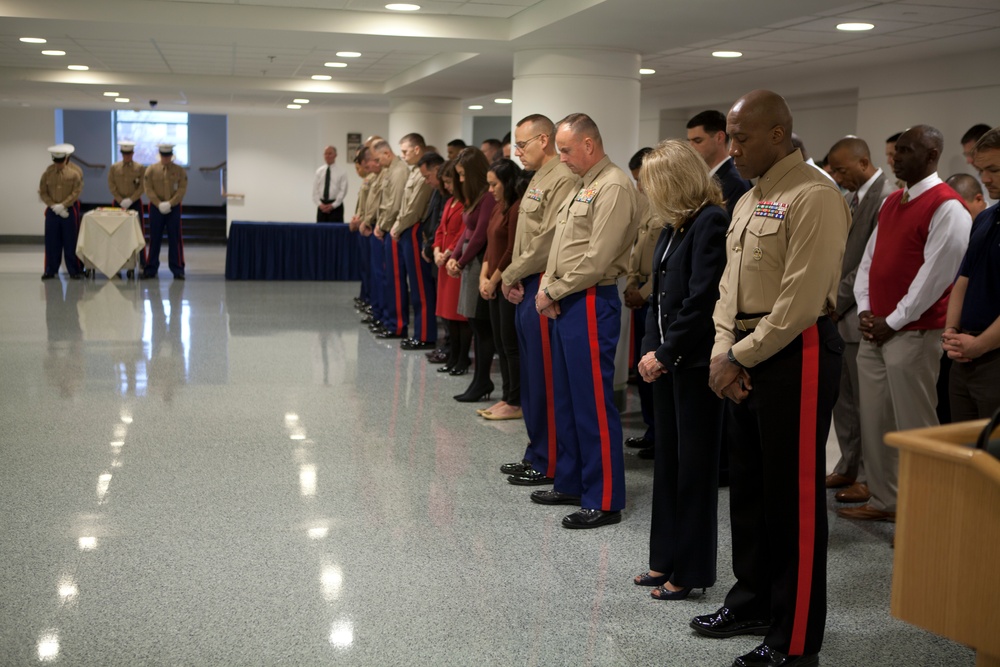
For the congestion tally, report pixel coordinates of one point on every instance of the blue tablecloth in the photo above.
(291, 251)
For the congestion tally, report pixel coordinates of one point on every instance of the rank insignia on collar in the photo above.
(534, 194)
(771, 209)
(586, 195)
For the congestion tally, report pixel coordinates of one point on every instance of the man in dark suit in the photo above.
(867, 188)
(706, 133)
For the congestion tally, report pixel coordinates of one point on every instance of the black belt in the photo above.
(745, 322)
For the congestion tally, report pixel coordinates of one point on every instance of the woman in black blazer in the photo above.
(687, 265)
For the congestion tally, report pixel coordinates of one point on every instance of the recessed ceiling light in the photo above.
(109, 94)
(348, 54)
(53, 52)
(727, 54)
(300, 100)
(855, 27)
(334, 64)
(646, 70)
(503, 100)
(123, 100)
(293, 106)
(33, 40)
(321, 77)
(402, 7)
(77, 68)
(475, 107)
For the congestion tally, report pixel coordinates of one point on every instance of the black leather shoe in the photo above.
(554, 498)
(367, 319)
(437, 357)
(48, 276)
(458, 370)
(413, 344)
(530, 477)
(76, 276)
(584, 518)
(515, 468)
(765, 656)
(646, 454)
(387, 334)
(724, 623)
(638, 443)
(178, 276)
(147, 276)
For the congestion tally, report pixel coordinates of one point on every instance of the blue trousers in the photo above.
(364, 267)
(423, 289)
(175, 244)
(376, 268)
(60, 240)
(396, 298)
(534, 337)
(590, 461)
(139, 209)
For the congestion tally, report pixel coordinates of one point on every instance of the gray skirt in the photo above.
(470, 303)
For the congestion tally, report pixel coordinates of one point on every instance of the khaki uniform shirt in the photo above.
(370, 215)
(783, 249)
(125, 180)
(61, 186)
(359, 205)
(393, 184)
(640, 262)
(416, 197)
(595, 228)
(536, 219)
(165, 183)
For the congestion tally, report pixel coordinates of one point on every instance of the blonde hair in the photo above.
(677, 182)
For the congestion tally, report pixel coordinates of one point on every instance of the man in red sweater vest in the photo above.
(902, 289)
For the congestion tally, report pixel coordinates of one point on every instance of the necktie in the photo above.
(854, 203)
(326, 185)
(906, 197)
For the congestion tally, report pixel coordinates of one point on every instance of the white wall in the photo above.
(24, 136)
(272, 161)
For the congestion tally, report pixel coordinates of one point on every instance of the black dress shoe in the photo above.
(515, 468)
(530, 477)
(646, 454)
(48, 276)
(437, 357)
(413, 344)
(474, 394)
(554, 498)
(586, 518)
(444, 369)
(724, 623)
(178, 276)
(459, 370)
(367, 319)
(387, 334)
(638, 443)
(76, 276)
(765, 656)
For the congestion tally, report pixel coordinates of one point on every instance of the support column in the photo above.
(438, 119)
(602, 84)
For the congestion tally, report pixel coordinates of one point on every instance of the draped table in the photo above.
(109, 240)
(291, 251)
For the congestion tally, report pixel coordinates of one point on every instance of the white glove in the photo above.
(64, 214)
(164, 207)
(125, 203)
(58, 209)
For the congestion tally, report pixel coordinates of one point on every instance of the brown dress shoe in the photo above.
(837, 481)
(855, 493)
(866, 513)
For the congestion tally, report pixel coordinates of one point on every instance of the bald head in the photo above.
(971, 192)
(918, 150)
(760, 127)
(850, 163)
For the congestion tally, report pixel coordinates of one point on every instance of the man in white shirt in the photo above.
(329, 189)
(902, 289)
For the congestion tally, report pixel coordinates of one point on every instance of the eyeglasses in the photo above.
(521, 145)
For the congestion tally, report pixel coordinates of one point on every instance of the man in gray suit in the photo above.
(867, 188)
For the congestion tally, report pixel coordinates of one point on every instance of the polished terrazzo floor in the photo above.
(213, 473)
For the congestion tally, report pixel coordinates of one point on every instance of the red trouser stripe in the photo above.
(599, 408)
(420, 287)
(807, 487)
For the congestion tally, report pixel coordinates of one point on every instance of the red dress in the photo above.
(447, 233)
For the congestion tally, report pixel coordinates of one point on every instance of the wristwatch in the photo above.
(732, 358)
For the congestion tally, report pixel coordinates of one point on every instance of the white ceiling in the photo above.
(256, 55)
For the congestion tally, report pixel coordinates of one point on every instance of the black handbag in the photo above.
(985, 441)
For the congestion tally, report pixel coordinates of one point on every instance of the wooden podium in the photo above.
(946, 575)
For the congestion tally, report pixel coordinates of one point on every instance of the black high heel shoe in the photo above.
(444, 369)
(473, 394)
(664, 593)
(458, 370)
